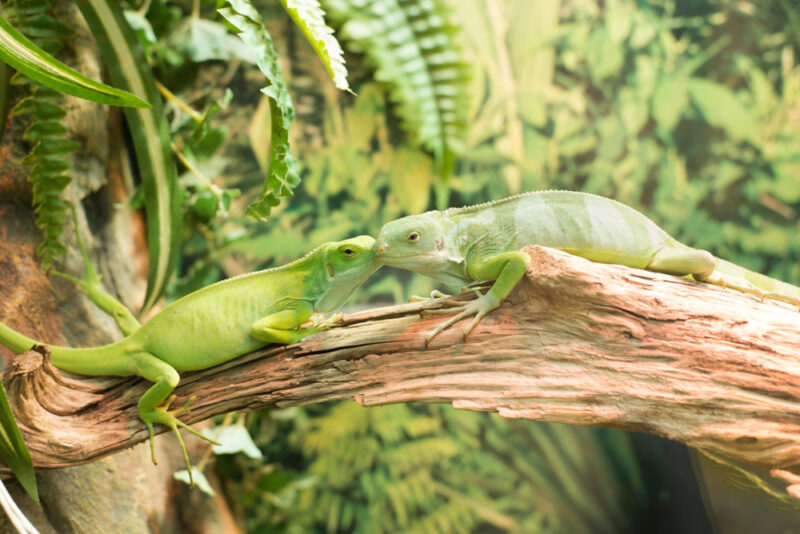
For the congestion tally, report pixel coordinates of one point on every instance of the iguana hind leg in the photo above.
(681, 261)
(150, 409)
(704, 267)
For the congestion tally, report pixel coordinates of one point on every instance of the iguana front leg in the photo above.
(285, 326)
(506, 269)
(151, 411)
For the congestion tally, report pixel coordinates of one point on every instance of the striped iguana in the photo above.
(461, 246)
(215, 324)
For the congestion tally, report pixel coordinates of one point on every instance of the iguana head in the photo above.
(348, 264)
(420, 243)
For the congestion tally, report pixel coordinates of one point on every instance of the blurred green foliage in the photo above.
(652, 105)
(689, 117)
(688, 111)
(423, 469)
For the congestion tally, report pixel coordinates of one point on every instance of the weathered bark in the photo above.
(577, 342)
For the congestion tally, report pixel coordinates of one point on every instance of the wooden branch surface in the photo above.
(576, 342)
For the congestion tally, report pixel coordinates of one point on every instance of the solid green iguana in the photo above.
(214, 324)
(462, 246)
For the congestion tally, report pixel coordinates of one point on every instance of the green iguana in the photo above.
(216, 324)
(462, 246)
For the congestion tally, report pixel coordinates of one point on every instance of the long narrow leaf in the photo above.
(129, 69)
(13, 451)
(309, 17)
(283, 176)
(36, 64)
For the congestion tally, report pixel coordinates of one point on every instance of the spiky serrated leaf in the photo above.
(283, 171)
(310, 18)
(412, 47)
(128, 68)
(29, 59)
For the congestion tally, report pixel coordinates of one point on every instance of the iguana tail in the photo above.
(733, 276)
(109, 359)
(16, 341)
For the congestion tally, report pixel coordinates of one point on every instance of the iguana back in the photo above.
(196, 331)
(591, 226)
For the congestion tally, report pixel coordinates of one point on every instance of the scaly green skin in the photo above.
(461, 246)
(216, 324)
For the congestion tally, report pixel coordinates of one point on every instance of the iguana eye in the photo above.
(413, 236)
(348, 251)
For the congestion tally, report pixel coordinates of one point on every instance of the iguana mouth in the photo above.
(404, 258)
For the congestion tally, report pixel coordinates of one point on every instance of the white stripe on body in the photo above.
(536, 223)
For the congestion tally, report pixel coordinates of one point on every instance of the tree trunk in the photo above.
(576, 342)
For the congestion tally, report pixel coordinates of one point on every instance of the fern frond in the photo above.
(408, 495)
(309, 17)
(283, 174)
(411, 44)
(350, 456)
(388, 423)
(48, 157)
(345, 420)
(419, 453)
(452, 517)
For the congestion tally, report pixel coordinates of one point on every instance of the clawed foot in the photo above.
(162, 415)
(318, 323)
(738, 284)
(478, 307)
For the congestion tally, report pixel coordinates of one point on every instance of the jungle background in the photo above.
(686, 110)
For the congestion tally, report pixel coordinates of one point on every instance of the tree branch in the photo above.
(577, 342)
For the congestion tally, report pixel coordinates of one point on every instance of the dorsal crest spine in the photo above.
(476, 207)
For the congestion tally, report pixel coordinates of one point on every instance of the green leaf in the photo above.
(13, 451)
(721, 108)
(309, 17)
(128, 68)
(206, 40)
(27, 58)
(604, 56)
(233, 439)
(199, 477)
(670, 100)
(618, 24)
(142, 27)
(283, 171)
